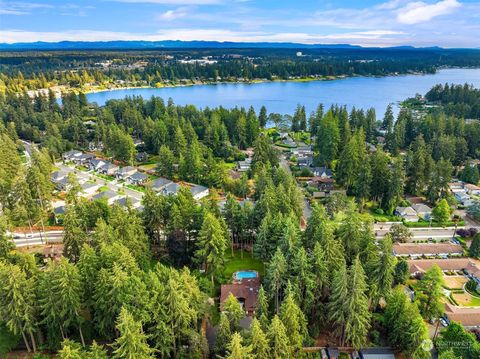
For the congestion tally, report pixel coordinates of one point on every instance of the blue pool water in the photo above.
(245, 275)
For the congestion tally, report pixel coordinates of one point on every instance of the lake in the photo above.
(283, 97)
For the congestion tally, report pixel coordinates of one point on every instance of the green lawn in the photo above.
(236, 263)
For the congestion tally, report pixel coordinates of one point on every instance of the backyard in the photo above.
(456, 285)
(237, 262)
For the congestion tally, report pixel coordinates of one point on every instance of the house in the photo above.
(462, 197)
(472, 189)
(159, 183)
(108, 169)
(126, 201)
(469, 265)
(246, 291)
(455, 185)
(244, 166)
(469, 317)
(125, 172)
(95, 164)
(407, 213)
(89, 189)
(171, 189)
(109, 195)
(198, 192)
(322, 183)
(305, 161)
(70, 155)
(57, 176)
(416, 250)
(322, 172)
(83, 159)
(137, 178)
(61, 184)
(423, 211)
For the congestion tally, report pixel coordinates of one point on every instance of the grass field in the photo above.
(236, 263)
(455, 282)
(466, 300)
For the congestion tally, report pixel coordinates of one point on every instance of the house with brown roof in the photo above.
(415, 250)
(469, 317)
(246, 291)
(420, 266)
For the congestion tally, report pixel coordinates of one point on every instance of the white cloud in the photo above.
(173, 14)
(417, 12)
(20, 8)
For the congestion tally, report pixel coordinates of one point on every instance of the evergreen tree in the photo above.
(132, 342)
(337, 309)
(236, 350)
(61, 297)
(212, 243)
(474, 250)
(18, 302)
(259, 341)
(233, 311)
(293, 319)
(430, 292)
(357, 314)
(278, 339)
(406, 329)
(275, 277)
(224, 335)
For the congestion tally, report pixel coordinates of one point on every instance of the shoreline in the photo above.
(58, 93)
(61, 89)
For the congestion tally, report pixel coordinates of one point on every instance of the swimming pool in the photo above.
(245, 274)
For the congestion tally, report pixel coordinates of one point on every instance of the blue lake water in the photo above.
(283, 97)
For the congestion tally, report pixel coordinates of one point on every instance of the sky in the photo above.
(445, 23)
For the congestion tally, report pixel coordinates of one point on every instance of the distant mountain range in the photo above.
(173, 44)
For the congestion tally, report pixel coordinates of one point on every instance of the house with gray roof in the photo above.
(159, 183)
(171, 189)
(109, 169)
(198, 192)
(137, 178)
(109, 195)
(125, 172)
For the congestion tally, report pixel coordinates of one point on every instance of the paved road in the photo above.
(37, 238)
(419, 233)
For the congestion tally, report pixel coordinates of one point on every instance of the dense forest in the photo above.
(143, 285)
(456, 100)
(21, 71)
